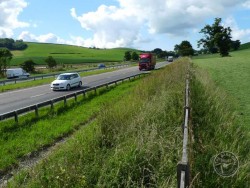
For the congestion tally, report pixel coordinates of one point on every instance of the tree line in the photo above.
(216, 39)
(12, 44)
(134, 56)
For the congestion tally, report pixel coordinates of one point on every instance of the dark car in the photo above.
(100, 66)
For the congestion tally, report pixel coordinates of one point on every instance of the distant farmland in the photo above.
(67, 54)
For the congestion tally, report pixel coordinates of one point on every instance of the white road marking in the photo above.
(20, 90)
(39, 95)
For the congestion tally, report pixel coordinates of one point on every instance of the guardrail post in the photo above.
(183, 172)
(16, 116)
(84, 93)
(15, 81)
(65, 100)
(36, 111)
(107, 86)
(51, 104)
(75, 96)
(95, 91)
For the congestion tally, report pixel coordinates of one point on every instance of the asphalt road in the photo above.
(13, 100)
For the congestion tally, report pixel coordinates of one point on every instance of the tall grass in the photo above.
(135, 142)
(32, 134)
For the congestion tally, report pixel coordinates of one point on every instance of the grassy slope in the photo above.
(135, 142)
(67, 54)
(245, 46)
(31, 133)
(232, 74)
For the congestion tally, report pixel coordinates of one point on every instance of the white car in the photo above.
(66, 81)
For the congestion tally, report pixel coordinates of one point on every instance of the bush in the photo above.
(28, 65)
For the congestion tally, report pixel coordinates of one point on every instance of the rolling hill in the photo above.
(67, 54)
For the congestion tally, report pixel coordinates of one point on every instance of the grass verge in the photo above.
(135, 141)
(31, 133)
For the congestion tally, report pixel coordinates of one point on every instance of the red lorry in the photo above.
(147, 61)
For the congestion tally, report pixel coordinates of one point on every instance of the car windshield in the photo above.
(63, 77)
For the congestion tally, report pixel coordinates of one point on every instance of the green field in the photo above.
(67, 54)
(221, 117)
(233, 74)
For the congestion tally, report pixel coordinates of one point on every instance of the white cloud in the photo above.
(9, 12)
(112, 26)
(126, 23)
(246, 4)
(237, 34)
(46, 38)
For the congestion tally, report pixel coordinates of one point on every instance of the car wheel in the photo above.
(68, 87)
(80, 84)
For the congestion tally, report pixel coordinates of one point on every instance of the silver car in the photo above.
(66, 81)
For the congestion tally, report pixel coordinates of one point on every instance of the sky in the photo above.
(139, 24)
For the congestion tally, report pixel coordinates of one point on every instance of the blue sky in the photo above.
(144, 24)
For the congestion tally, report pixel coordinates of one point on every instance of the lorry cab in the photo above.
(147, 61)
(170, 58)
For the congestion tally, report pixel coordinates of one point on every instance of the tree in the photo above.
(12, 45)
(51, 62)
(28, 65)
(5, 58)
(235, 45)
(184, 49)
(134, 56)
(157, 51)
(127, 56)
(216, 38)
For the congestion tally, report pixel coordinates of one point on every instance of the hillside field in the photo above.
(67, 54)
